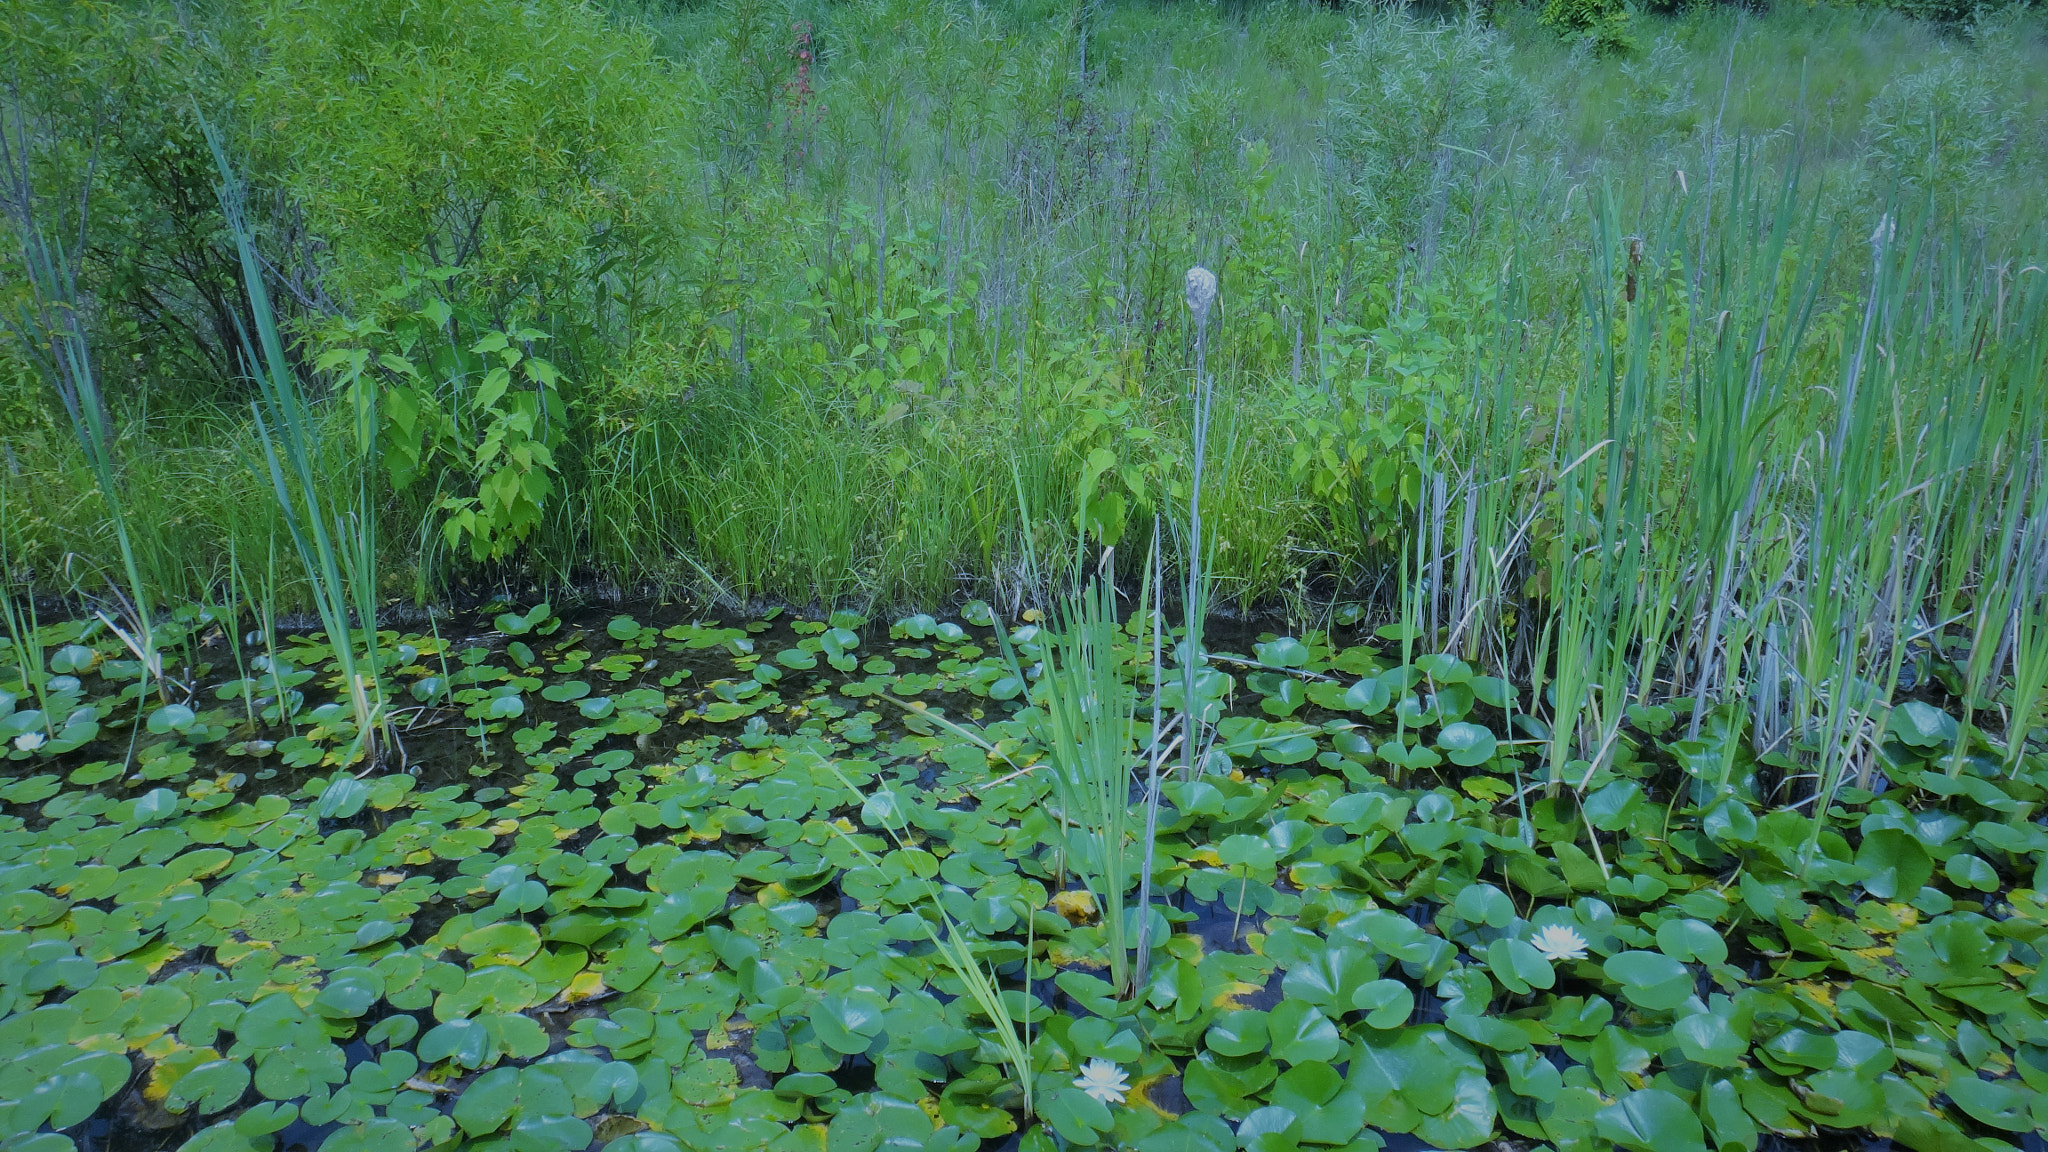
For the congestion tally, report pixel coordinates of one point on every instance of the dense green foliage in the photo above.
(693, 209)
(1635, 418)
(721, 887)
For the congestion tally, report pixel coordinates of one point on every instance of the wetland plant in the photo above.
(1088, 715)
(333, 532)
(49, 324)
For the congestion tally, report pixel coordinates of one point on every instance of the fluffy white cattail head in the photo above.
(1201, 293)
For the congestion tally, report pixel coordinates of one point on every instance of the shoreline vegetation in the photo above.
(1267, 576)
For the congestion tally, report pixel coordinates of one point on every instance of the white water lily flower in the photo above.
(1558, 942)
(1103, 1080)
(29, 741)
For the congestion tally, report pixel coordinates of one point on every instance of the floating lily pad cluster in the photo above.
(655, 887)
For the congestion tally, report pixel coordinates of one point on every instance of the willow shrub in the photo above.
(528, 144)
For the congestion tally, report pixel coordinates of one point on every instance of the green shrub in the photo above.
(463, 407)
(525, 142)
(1416, 109)
(1938, 134)
(1605, 24)
(104, 95)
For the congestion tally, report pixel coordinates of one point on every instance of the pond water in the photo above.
(638, 880)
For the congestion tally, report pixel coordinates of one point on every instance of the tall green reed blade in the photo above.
(22, 630)
(1635, 579)
(2029, 647)
(1495, 507)
(1989, 481)
(1565, 648)
(1085, 714)
(2007, 488)
(1089, 715)
(1158, 750)
(1606, 626)
(1865, 571)
(1738, 389)
(2027, 642)
(48, 325)
(336, 542)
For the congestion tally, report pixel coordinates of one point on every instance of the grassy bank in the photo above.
(742, 412)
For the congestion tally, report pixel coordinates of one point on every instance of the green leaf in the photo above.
(1469, 1120)
(849, 1023)
(1797, 1048)
(394, 1031)
(1998, 1104)
(210, 1087)
(1300, 1033)
(490, 990)
(1077, 1116)
(1708, 1038)
(381, 1134)
(1330, 978)
(1965, 870)
(1286, 652)
(1480, 903)
(1238, 1033)
(343, 797)
(645, 1142)
(1369, 696)
(1386, 1003)
(373, 932)
(1244, 851)
(67, 1098)
(1687, 940)
(1921, 725)
(1518, 965)
(464, 1042)
(1897, 864)
(1610, 808)
(544, 1132)
(1730, 1124)
(488, 1102)
(1651, 1120)
(1466, 744)
(171, 718)
(349, 993)
(1269, 1129)
(264, 1118)
(1650, 980)
(154, 805)
(565, 691)
(508, 942)
(1488, 1032)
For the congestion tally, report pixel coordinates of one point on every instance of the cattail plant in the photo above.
(48, 325)
(1201, 296)
(336, 543)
